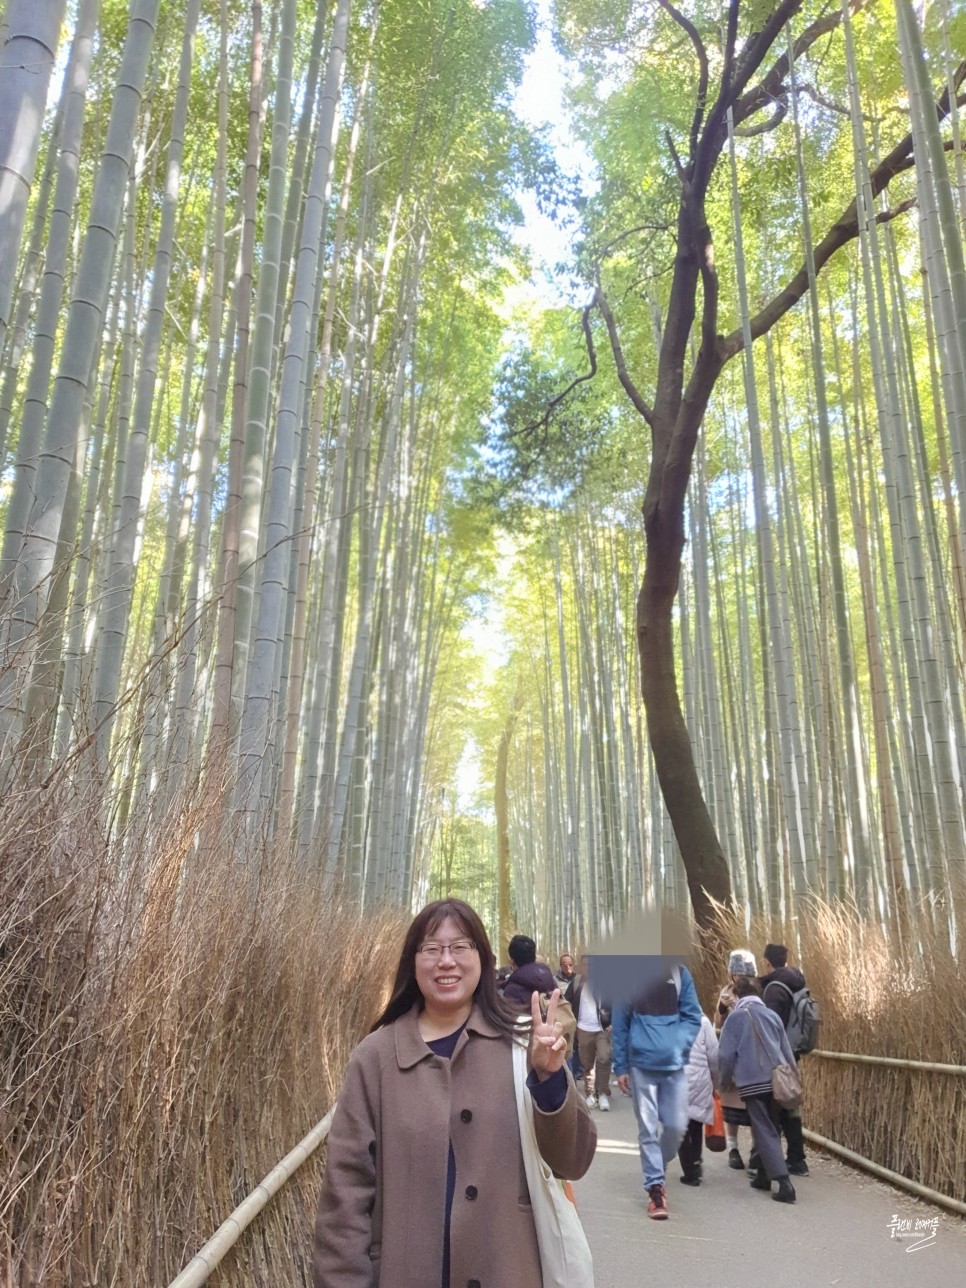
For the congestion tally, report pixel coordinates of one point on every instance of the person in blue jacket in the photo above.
(652, 1039)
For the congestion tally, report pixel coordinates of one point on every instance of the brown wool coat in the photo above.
(381, 1214)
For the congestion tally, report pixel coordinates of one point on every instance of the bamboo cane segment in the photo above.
(201, 1265)
(926, 1065)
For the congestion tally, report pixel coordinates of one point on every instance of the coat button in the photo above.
(466, 1116)
(471, 1191)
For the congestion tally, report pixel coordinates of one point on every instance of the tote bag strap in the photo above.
(564, 1255)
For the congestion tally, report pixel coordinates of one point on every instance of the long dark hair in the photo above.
(747, 986)
(405, 990)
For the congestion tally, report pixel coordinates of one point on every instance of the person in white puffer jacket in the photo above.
(702, 1084)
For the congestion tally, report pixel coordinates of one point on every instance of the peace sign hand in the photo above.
(549, 1047)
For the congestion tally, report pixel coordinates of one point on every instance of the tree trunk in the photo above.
(697, 839)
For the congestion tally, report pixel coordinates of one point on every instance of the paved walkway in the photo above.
(723, 1234)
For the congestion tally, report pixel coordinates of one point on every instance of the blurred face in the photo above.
(567, 965)
(447, 967)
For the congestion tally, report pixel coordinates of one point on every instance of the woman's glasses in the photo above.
(458, 948)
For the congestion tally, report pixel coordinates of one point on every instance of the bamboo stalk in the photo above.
(233, 1227)
(893, 1063)
(894, 1178)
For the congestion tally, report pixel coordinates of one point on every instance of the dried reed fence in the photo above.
(171, 1023)
(877, 997)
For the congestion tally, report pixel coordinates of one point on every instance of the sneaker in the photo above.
(591, 1101)
(785, 1192)
(735, 1160)
(657, 1207)
(798, 1169)
(694, 1179)
(760, 1181)
(603, 1104)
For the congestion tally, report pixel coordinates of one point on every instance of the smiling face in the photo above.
(447, 983)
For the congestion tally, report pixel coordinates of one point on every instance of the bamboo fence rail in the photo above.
(891, 1062)
(198, 1269)
(886, 1173)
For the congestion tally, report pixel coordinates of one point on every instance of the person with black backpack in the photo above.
(784, 991)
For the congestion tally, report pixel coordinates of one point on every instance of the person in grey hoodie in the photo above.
(753, 1043)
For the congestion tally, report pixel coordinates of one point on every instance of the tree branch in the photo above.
(607, 247)
(707, 367)
(688, 26)
(821, 100)
(544, 421)
(633, 393)
(766, 127)
(844, 230)
(682, 175)
(772, 84)
(887, 216)
(749, 60)
(731, 38)
(731, 89)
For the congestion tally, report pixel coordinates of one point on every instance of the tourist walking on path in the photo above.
(425, 1181)
(741, 963)
(753, 1044)
(702, 1070)
(593, 1037)
(528, 975)
(653, 1036)
(779, 984)
(565, 977)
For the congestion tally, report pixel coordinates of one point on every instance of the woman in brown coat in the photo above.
(425, 1180)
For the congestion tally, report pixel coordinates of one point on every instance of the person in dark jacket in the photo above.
(528, 976)
(753, 1043)
(566, 972)
(778, 983)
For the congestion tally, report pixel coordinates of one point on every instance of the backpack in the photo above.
(803, 1020)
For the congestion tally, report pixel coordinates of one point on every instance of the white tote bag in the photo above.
(564, 1252)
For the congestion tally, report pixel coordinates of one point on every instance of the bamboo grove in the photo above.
(248, 333)
(819, 617)
(269, 445)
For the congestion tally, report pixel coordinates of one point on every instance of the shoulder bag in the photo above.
(565, 1258)
(786, 1085)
